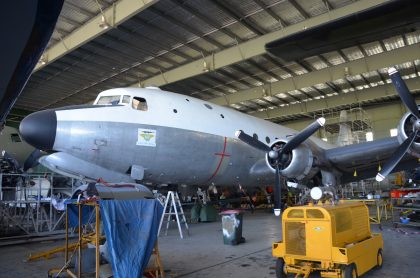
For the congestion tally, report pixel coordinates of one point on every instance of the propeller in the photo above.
(279, 154)
(32, 160)
(303, 135)
(252, 141)
(277, 191)
(403, 92)
(409, 102)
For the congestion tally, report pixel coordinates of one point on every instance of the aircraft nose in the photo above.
(39, 129)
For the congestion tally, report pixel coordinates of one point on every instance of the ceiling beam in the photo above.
(232, 12)
(253, 47)
(268, 10)
(299, 8)
(115, 15)
(187, 27)
(374, 93)
(329, 74)
(195, 12)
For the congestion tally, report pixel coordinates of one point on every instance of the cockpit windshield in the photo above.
(110, 100)
(113, 100)
(125, 100)
(137, 103)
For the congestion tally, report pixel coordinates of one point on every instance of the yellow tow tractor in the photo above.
(334, 240)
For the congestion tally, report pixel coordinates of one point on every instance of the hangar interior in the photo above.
(214, 50)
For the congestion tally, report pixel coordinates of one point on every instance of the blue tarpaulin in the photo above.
(88, 214)
(131, 228)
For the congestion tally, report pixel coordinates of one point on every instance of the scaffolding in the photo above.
(85, 236)
(356, 120)
(365, 187)
(29, 202)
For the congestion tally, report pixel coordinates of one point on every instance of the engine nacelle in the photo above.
(405, 129)
(299, 163)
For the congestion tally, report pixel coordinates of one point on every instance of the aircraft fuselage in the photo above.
(176, 139)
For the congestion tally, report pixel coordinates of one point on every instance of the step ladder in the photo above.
(174, 204)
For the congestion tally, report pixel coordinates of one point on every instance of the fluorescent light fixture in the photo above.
(42, 60)
(103, 24)
(205, 67)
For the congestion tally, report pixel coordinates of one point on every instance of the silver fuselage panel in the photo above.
(175, 139)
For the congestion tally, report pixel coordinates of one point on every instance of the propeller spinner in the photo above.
(279, 155)
(409, 102)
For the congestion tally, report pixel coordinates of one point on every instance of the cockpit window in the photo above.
(139, 103)
(111, 100)
(125, 100)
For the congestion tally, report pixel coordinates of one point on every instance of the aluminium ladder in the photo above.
(175, 208)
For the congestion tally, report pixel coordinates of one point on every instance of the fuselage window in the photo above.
(255, 136)
(139, 103)
(110, 100)
(125, 100)
(267, 139)
(208, 106)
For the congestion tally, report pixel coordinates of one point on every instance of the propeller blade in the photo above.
(403, 92)
(277, 190)
(251, 141)
(32, 160)
(303, 135)
(396, 157)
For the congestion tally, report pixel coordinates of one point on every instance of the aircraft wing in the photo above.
(24, 39)
(365, 158)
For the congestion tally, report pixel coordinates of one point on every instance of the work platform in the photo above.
(378, 208)
(27, 205)
(129, 245)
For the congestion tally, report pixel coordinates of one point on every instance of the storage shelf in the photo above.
(399, 210)
(406, 208)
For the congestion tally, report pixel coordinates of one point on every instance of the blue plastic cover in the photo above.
(131, 228)
(88, 213)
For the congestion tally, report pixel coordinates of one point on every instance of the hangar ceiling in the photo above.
(214, 50)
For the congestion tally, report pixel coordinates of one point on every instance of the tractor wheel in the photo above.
(379, 259)
(350, 271)
(280, 268)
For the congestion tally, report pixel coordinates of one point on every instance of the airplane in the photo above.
(156, 137)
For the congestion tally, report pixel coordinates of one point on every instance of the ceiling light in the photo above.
(205, 67)
(42, 60)
(103, 24)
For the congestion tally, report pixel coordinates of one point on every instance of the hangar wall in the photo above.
(383, 118)
(19, 150)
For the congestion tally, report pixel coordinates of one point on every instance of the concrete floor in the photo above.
(203, 253)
